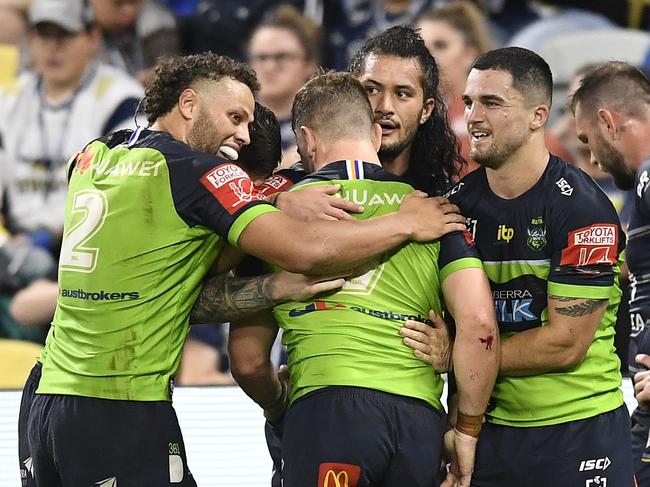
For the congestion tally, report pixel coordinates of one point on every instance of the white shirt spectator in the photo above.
(37, 139)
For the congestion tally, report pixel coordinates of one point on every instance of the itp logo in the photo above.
(338, 475)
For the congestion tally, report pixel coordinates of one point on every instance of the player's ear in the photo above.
(376, 133)
(427, 110)
(309, 139)
(187, 103)
(540, 116)
(608, 123)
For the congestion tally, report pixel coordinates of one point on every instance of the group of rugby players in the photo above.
(516, 299)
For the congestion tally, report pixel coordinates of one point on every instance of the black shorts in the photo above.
(640, 448)
(82, 441)
(593, 452)
(360, 437)
(24, 456)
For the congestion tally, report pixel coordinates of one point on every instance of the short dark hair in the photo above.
(333, 103)
(615, 84)
(260, 158)
(173, 74)
(435, 157)
(531, 75)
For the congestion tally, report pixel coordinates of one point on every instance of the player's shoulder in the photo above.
(570, 188)
(472, 183)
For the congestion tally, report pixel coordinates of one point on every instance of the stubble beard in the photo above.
(204, 136)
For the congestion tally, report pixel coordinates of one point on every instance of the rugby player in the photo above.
(550, 241)
(612, 111)
(402, 81)
(147, 215)
(362, 409)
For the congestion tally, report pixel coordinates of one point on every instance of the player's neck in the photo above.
(520, 172)
(399, 164)
(346, 149)
(169, 123)
(638, 134)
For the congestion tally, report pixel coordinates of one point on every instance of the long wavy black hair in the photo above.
(435, 156)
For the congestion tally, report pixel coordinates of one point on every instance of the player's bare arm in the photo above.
(249, 347)
(559, 345)
(476, 358)
(226, 297)
(325, 247)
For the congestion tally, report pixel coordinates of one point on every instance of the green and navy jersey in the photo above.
(562, 237)
(351, 337)
(145, 218)
(637, 256)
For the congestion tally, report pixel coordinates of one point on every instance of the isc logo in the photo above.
(595, 464)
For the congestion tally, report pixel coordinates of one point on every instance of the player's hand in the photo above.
(432, 344)
(288, 286)
(642, 382)
(430, 218)
(275, 412)
(460, 450)
(317, 203)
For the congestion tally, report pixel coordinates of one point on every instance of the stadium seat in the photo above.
(16, 360)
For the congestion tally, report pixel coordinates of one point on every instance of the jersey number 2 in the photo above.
(74, 255)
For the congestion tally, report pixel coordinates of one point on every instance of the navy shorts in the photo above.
(640, 448)
(593, 452)
(361, 437)
(78, 441)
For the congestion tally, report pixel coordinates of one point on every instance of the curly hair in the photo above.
(173, 74)
(435, 155)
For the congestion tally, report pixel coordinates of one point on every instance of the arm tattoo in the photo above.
(581, 308)
(228, 298)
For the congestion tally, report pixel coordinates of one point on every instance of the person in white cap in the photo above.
(51, 112)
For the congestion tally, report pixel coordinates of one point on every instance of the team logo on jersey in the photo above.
(536, 234)
(338, 475)
(505, 233)
(231, 186)
(592, 245)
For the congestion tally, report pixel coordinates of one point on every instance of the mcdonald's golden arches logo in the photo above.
(338, 475)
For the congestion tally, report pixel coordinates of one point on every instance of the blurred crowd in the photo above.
(73, 70)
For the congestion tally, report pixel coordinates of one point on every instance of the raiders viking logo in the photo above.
(536, 234)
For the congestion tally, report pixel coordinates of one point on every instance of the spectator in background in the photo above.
(284, 52)
(13, 33)
(220, 25)
(53, 111)
(135, 33)
(456, 34)
(349, 23)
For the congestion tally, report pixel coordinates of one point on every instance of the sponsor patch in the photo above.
(338, 475)
(231, 186)
(592, 245)
(274, 184)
